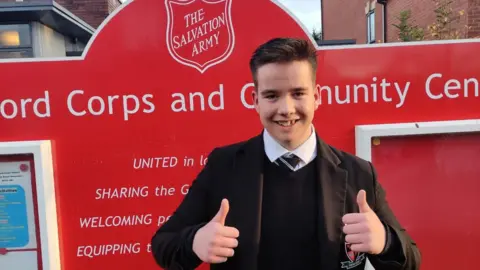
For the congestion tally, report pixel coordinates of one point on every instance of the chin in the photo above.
(285, 139)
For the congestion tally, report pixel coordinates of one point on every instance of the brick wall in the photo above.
(112, 5)
(92, 12)
(422, 12)
(346, 19)
(473, 14)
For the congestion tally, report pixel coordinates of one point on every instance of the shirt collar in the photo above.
(306, 151)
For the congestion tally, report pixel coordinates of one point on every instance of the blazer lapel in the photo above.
(332, 187)
(247, 201)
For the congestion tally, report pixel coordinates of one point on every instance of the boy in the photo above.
(284, 199)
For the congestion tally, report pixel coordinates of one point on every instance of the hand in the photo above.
(364, 230)
(215, 242)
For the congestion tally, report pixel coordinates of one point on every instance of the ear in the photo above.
(316, 94)
(255, 99)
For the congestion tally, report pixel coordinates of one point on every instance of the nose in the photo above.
(286, 106)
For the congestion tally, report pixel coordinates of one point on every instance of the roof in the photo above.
(50, 14)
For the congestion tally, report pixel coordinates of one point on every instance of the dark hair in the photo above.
(283, 50)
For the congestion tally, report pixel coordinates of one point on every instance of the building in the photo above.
(48, 28)
(372, 21)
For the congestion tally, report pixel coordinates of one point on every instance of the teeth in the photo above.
(286, 123)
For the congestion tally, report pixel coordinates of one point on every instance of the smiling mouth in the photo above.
(286, 123)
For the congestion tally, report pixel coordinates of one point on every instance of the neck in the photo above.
(291, 145)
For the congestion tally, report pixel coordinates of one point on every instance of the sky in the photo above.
(307, 11)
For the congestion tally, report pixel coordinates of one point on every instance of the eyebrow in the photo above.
(273, 91)
(268, 91)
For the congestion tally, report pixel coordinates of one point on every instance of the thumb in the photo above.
(362, 202)
(222, 212)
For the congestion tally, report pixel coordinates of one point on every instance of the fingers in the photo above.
(217, 259)
(215, 242)
(226, 242)
(355, 238)
(222, 250)
(222, 247)
(354, 218)
(224, 238)
(228, 232)
(363, 230)
(355, 228)
(360, 247)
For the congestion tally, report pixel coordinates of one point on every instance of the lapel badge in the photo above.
(354, 258)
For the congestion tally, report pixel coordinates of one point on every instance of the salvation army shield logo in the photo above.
(199, 32)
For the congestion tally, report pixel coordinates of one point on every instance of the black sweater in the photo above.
(289, 219)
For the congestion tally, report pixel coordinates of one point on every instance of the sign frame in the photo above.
(365, 133)
(45, 190)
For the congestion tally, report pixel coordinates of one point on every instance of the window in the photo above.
(15, 41)
(5, 54)
(371, 26)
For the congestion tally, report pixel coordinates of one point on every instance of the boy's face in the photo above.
(286, 100)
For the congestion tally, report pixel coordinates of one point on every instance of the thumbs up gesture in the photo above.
(215, 242)
(364, 230)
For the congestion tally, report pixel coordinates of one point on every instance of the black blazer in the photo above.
(235, 172)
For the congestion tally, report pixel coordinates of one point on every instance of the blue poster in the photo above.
(13, 217)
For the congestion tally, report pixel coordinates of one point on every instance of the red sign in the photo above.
(164, 82)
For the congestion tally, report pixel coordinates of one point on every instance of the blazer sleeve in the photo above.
(402, 253)
(172, 242)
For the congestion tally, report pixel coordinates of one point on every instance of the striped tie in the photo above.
(289, 161)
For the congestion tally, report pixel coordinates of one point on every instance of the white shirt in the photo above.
(306, 151)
